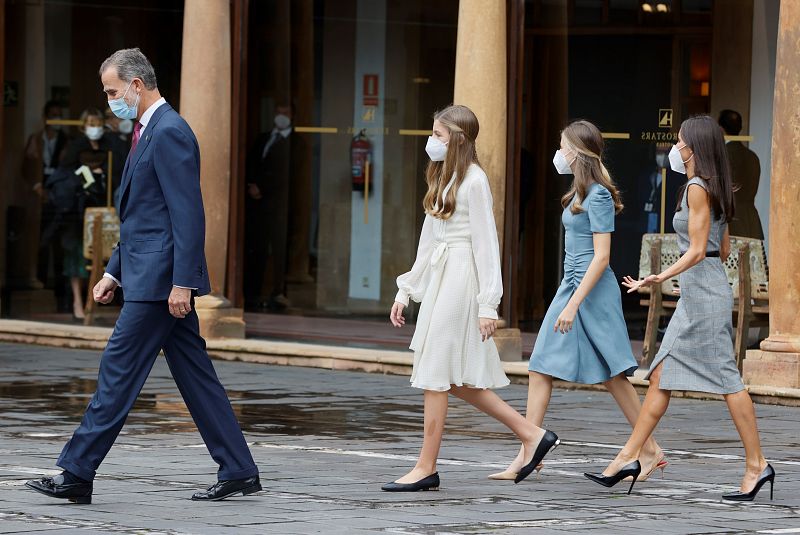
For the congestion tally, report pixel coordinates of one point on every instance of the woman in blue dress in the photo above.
(583, 338)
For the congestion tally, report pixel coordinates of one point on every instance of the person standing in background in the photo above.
(42, 153)
(89, 151)
(267, 211)
(746, 170)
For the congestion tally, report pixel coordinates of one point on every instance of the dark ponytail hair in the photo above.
(703, 135)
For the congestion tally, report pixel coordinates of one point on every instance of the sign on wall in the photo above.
(10, 93)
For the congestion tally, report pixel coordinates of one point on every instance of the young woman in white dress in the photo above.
(457, 278)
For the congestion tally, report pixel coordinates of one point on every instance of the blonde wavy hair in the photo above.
(463, 126)
(585, 143)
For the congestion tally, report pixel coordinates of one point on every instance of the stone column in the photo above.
(777, 363)
(481, 83)
(731, 57)
(302, 157)
(3, 200)
(34, 98)
(206, 105)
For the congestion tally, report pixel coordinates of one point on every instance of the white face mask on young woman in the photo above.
(561, 164)
(436, 149)
(94, 132)
(676, 161)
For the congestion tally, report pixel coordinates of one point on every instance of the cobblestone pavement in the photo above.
(325, 442)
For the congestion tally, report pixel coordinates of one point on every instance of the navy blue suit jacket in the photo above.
(162, 232)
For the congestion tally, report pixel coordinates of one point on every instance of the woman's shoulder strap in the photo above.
(699, 181)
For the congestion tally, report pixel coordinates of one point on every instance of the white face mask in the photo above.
(676, 160)
(661, 159)
(125, 126)
(94, 132)
(561, 164)
(282, 122)
(436, 149)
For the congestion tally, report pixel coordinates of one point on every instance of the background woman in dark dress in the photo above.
(91, 149)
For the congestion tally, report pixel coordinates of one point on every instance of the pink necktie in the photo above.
(137, 131)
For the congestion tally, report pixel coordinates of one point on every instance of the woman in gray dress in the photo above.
(697, 351)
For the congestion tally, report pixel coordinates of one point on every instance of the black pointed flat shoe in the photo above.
(631, 470)
(225, 489)
(548, 443)
(76, 491)
(767, 475)
(427, 483)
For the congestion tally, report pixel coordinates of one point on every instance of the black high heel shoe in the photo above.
(548, 443)
(629, 470)
(767, 475)
(426, 483)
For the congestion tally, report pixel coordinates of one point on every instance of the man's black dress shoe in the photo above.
(427, 483)
(64, 487)
(225, 489)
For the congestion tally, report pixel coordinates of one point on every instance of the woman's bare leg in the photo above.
(744, 417)
(493, 405)
(655, 405)
(77, 297)
(435, 416)
(540, 389)
(627, 398)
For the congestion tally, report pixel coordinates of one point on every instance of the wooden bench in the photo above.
(749, 280)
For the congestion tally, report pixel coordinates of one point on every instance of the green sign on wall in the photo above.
(10, 93)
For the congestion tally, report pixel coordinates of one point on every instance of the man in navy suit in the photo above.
(160, 262)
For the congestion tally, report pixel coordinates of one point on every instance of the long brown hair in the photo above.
(703, 135)
(461, 153)
(586, 143)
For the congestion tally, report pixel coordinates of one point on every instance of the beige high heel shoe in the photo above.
(508, 475)
(660, 465)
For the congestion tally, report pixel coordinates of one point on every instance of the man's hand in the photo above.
(103, 291)
(180, 302)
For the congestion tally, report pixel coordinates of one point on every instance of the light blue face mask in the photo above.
(120, 107)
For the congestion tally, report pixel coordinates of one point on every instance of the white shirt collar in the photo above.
(285, 132)
(148, 114)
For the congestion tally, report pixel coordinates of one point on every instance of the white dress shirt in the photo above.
(274, 137)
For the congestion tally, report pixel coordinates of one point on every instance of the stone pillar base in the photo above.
(772, 368)
(218, 319)
(509, 344)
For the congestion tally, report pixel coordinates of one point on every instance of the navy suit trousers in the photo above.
(142, 330)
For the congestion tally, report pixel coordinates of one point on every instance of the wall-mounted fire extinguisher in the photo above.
(360, 160)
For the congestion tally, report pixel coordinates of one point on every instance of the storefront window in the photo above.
(53, 50)
(341, 97)
(636, 69)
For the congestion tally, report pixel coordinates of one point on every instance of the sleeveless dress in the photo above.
(457, 278)
(697, 350)
(597, 348)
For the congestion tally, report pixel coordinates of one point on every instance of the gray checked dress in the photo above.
(697, 350)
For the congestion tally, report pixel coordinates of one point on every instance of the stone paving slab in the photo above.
(326, 440)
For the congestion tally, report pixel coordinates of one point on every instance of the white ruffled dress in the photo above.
(457, 278)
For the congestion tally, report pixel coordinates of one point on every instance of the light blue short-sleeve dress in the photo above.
(597, 348)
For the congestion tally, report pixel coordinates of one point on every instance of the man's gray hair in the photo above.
(131, 63)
